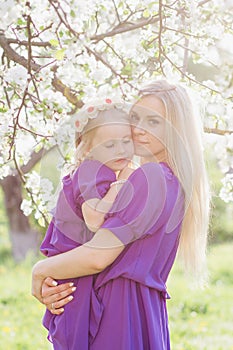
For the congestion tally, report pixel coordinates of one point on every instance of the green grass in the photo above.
(20, 314)
(203, 319)
(199, 319)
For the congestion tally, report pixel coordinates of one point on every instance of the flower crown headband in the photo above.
(91, 110)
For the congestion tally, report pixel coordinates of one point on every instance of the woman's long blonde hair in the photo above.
(185, 155)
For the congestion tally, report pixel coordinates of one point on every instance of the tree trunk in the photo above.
(23, 238)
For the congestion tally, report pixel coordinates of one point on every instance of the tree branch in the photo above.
(101, 59)
(56, 5)
(203, 2)
(16, 121)
(125, 27)
(117, 14)
(25, 43)
(14, 56)
(35, 158)
(188, 77)
(160, 34)
(217, 131)
(23, 180)
(186, 46)
(57, 84)
(185, 33)
(29, 47)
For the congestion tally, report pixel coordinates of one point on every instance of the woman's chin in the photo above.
(142, 151)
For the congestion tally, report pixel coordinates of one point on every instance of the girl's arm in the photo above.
(88, 259)
(94, 209)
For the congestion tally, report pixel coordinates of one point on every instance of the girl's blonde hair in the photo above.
(114, 114)
(83, 144)
(185, 155)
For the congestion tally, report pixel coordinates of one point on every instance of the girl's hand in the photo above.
(125, 173)
(55, 296)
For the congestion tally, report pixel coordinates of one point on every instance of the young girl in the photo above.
(104, 148)
(163, 207)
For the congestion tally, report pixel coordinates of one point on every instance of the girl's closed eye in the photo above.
(128, 140)
(109, 145)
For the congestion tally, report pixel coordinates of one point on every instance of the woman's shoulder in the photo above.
(153, 170)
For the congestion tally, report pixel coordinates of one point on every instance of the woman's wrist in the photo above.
(38, 270)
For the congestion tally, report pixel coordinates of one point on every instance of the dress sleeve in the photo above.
(137, 210)
(91, 180)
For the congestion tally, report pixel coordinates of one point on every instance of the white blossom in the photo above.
(226, 192)
(8, 9)
(26, 207)
(5, 170)
(18, 75)
(94, 68)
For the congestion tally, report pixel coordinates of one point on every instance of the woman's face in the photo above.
(147, 118)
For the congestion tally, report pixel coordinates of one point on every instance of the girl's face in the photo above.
(112, 145)
(147, 119)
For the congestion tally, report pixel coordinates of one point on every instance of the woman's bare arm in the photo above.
(88, 259)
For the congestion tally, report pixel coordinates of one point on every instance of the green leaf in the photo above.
(72, 13)
(146, 13)
(127, 70)
(54, 42)
(59, 54)
(41, 222)
(20, 21)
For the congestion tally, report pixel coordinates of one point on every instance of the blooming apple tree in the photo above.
(56, 54)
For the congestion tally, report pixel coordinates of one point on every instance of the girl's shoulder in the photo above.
(90, 168)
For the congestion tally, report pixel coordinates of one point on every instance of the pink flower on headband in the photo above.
(91, 110)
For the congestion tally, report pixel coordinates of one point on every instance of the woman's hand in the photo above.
(55, 296)
(47, 291)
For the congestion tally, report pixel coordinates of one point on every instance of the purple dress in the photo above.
(66, 231)
(124, 306)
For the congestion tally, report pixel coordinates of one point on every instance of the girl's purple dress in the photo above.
(124, 306)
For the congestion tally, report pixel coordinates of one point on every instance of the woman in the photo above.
(162, 206)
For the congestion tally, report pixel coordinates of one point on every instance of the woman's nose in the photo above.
(138, 130)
